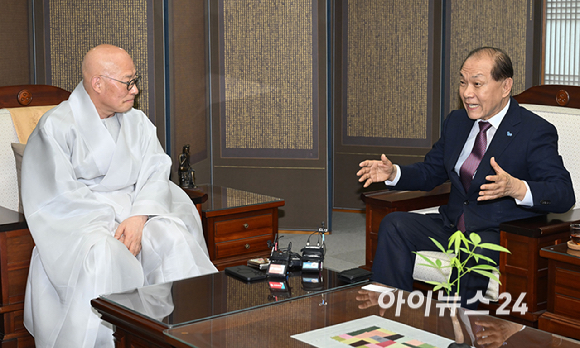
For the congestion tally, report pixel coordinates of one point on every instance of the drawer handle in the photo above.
(246, 225)
(247, 246)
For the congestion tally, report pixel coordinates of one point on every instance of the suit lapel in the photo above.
(507, 131)
(458, 139)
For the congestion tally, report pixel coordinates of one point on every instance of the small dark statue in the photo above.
(185, 171)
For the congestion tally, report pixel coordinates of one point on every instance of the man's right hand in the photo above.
(375, 171)
(130, 231)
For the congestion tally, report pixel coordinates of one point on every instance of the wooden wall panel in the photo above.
(386, 87)
(15, 43)
(188, 79)
(269, 112)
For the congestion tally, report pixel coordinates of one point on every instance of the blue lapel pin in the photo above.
(509, 134)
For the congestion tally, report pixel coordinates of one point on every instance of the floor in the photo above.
(345, 245)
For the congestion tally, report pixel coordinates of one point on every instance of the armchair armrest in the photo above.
(542, 225)
(11, 220)
(408, 200)
(197, 196)
(380, 203)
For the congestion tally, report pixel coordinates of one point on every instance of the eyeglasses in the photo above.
(129, 84)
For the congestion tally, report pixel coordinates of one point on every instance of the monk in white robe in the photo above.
(98, 201)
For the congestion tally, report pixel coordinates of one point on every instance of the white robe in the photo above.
(78, 184)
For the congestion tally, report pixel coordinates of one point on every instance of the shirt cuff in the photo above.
(528, 200)
(397, 176)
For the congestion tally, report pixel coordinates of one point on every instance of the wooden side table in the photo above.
(563, 314)
(237, 224)
(524, 270)
(16, 246)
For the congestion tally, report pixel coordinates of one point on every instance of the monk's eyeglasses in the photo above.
(129, 84)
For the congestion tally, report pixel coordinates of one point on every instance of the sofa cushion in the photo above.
(8, 180)
(25, 119)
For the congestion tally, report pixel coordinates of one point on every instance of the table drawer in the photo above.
(243, 246)
(244, 227)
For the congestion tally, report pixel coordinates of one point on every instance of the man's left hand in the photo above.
(130, 231)
(501, 185)
(495, 332)
(369, 299)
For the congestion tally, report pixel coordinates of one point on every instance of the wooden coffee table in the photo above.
(141, 316)
(274, 326)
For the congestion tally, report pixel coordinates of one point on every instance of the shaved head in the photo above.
(103, 60)
(106, 71)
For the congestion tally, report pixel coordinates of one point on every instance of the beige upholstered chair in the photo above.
(15, 240)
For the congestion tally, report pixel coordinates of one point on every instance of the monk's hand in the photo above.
(375, 171)
(501, 185)
(130, 231)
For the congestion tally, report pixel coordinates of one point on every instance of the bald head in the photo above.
(106, 69)
(103, 60)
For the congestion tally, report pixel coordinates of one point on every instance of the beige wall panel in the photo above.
(72, 28)
(386, 87)
(497, 23)
(387, 62)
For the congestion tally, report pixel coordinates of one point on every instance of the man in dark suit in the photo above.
(516, 172)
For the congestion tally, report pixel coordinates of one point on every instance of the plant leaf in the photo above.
(438, 285)
(483, 266)
(455, 262)
(465, 250)
(427, 265)
(495, 247)
(475, 238)
(455, 239)
(437, 244)
(483, 257)
(487, 274)
(431, 263)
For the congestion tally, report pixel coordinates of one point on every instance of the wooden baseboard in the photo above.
(344, 210)
(356, 211)
(298, 232)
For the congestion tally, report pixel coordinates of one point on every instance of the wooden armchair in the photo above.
(16, 243)
(523, 270)
(15, 240)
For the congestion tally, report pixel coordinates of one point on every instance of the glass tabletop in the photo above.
(350, 316)
(189, 300)
(563, 250)
(220, 198)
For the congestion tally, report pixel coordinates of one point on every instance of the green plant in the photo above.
(459, 243)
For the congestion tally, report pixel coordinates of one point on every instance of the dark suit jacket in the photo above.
(525, 146)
